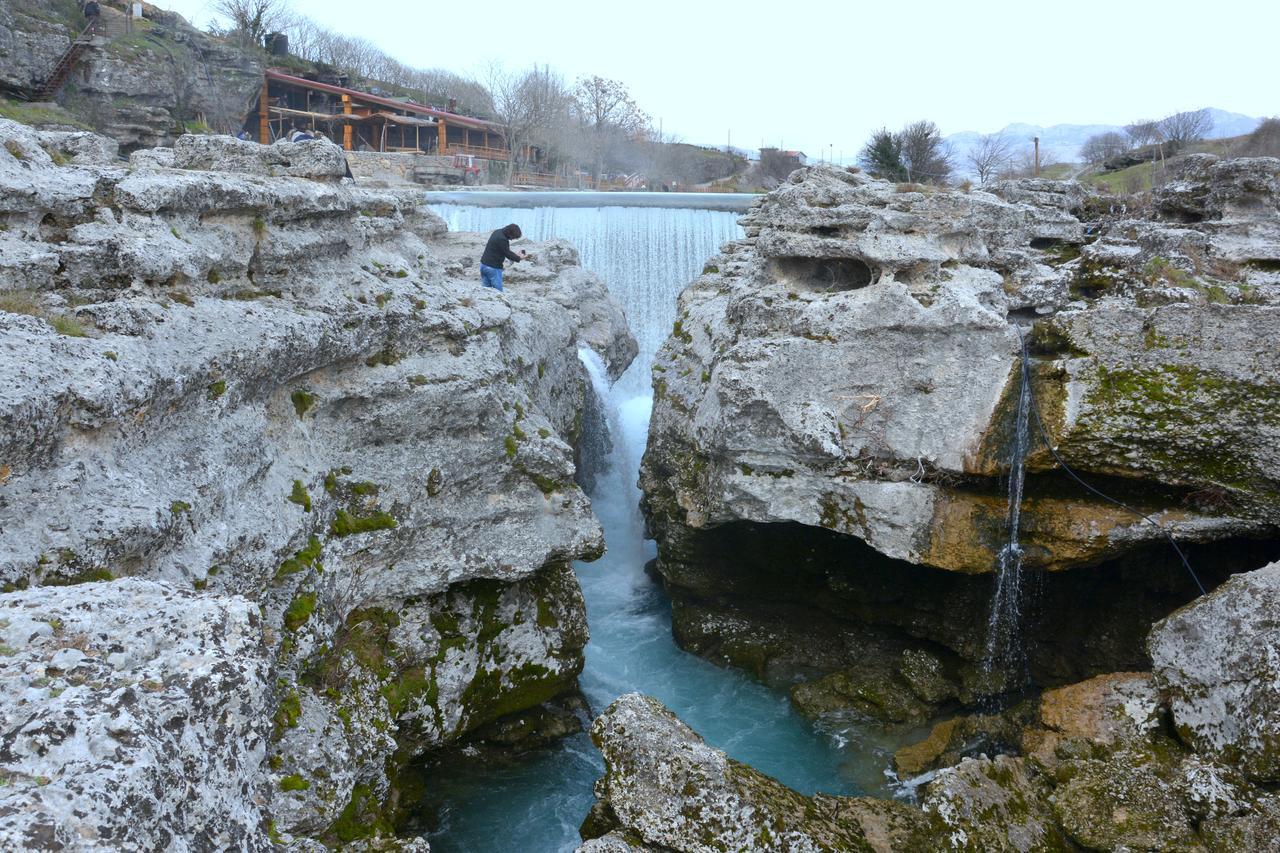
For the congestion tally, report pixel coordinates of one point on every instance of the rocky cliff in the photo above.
(1180, 758)
(139, 87)
(836, 407)
(286, 498)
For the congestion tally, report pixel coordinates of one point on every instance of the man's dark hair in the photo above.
(511, 232)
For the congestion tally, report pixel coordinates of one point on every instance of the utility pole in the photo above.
(1036, 140)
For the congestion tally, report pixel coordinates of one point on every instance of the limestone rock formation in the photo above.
(293, 396)
(835, 408)
(318, 158)
(132, 698)
(135, 87)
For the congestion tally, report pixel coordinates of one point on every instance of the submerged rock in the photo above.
(665, 788)
(296, 395)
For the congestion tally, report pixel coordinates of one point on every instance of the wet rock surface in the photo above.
(1102, 764)
(294, 394)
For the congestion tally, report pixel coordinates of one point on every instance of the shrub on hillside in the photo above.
(1264, 141)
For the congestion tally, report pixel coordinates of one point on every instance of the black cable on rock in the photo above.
(1044, 436)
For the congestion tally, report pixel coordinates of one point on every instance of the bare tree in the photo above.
(1103, 146)
(606, 111)
(990, 155)
(924, 153)
(1023, 165)
(251, 20)
(524, 103)
(1182, 129)
(1143, 132)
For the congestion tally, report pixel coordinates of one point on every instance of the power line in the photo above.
(1044, 436)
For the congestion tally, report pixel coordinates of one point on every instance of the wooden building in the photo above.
(365, 122)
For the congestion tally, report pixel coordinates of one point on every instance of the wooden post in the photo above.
(466, 138)
(264, 122)
(443, 132)
(1037, 141)
(347, 129)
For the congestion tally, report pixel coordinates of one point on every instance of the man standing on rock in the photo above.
(496, 253)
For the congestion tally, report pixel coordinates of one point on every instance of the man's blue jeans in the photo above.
(491, 277)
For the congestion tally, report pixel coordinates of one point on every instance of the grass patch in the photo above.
(38, 115)
(24, 302)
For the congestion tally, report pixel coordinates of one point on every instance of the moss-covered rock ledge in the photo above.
(283, 399)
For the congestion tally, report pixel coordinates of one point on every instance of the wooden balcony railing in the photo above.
(477, 151)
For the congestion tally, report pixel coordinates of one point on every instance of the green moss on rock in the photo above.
(345, 524)
(302, 401)
(300, 497)
(302, 560)
(299, 611)
(294, 782)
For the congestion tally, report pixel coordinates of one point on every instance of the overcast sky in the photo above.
(808, 75)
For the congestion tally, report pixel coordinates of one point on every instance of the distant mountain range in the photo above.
(1063, 141)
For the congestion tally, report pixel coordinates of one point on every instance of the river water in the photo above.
(646, 255)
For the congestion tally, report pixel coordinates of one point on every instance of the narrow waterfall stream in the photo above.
(1004, 651)
(646, 255)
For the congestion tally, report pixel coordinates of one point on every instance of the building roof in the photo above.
(365, 97)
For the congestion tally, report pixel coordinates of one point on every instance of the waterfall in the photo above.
(646, 255)
(595, 440)
(1004, 652)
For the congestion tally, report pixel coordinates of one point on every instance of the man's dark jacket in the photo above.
(496, 249)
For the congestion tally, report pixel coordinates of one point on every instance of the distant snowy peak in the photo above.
(1063, 141)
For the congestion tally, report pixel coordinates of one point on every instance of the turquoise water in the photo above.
(537, 804)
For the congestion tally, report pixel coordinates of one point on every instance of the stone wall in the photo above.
(401, 168)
